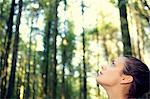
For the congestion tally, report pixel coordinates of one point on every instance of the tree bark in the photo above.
(124, 28)
(140, 38)
(80, 81)
(7, 49)
(34, 73)
(64, 58)
(15, 54)
(84, 63)
(28, 91)
(63, 84)
(46, 55)
(84, 68)
(54, 77)
(104, 40)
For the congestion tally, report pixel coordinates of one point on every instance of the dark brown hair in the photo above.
(140, 73)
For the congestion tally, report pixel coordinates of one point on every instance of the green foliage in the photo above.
(113, 1)
(68, 44)
(4, 13)
(103, 42)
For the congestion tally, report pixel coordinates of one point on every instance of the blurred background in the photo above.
(51, 49)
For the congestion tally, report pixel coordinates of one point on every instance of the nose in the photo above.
(101, 68)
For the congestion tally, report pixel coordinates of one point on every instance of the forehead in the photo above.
(120, 61)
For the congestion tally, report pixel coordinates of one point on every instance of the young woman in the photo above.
(126, 78)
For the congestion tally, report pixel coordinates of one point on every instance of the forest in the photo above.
(51, 49)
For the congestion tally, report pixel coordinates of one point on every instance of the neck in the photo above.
(116, 94)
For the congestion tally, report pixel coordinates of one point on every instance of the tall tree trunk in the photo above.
(63, 73)
(46, 55)
(80, 82)
(118, 49)
(18, 85)
(2, 36)
(15, 54)
(140, 38)
(84, 68)
(34, 74)
(63, 77)
(2, 21)
(7, 49)
(54, 77)
(124, 28)
(105, 48)
(84, 63)
(27, 91)
(64, 57)
(63, 84)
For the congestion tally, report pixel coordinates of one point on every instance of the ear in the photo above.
(125, 79)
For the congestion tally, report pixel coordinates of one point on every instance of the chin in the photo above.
(102, 83)
(99, 81)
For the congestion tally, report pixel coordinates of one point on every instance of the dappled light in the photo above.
(52, 49)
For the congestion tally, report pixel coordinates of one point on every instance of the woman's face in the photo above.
(111, 75)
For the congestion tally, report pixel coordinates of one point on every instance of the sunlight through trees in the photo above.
(51, 49)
